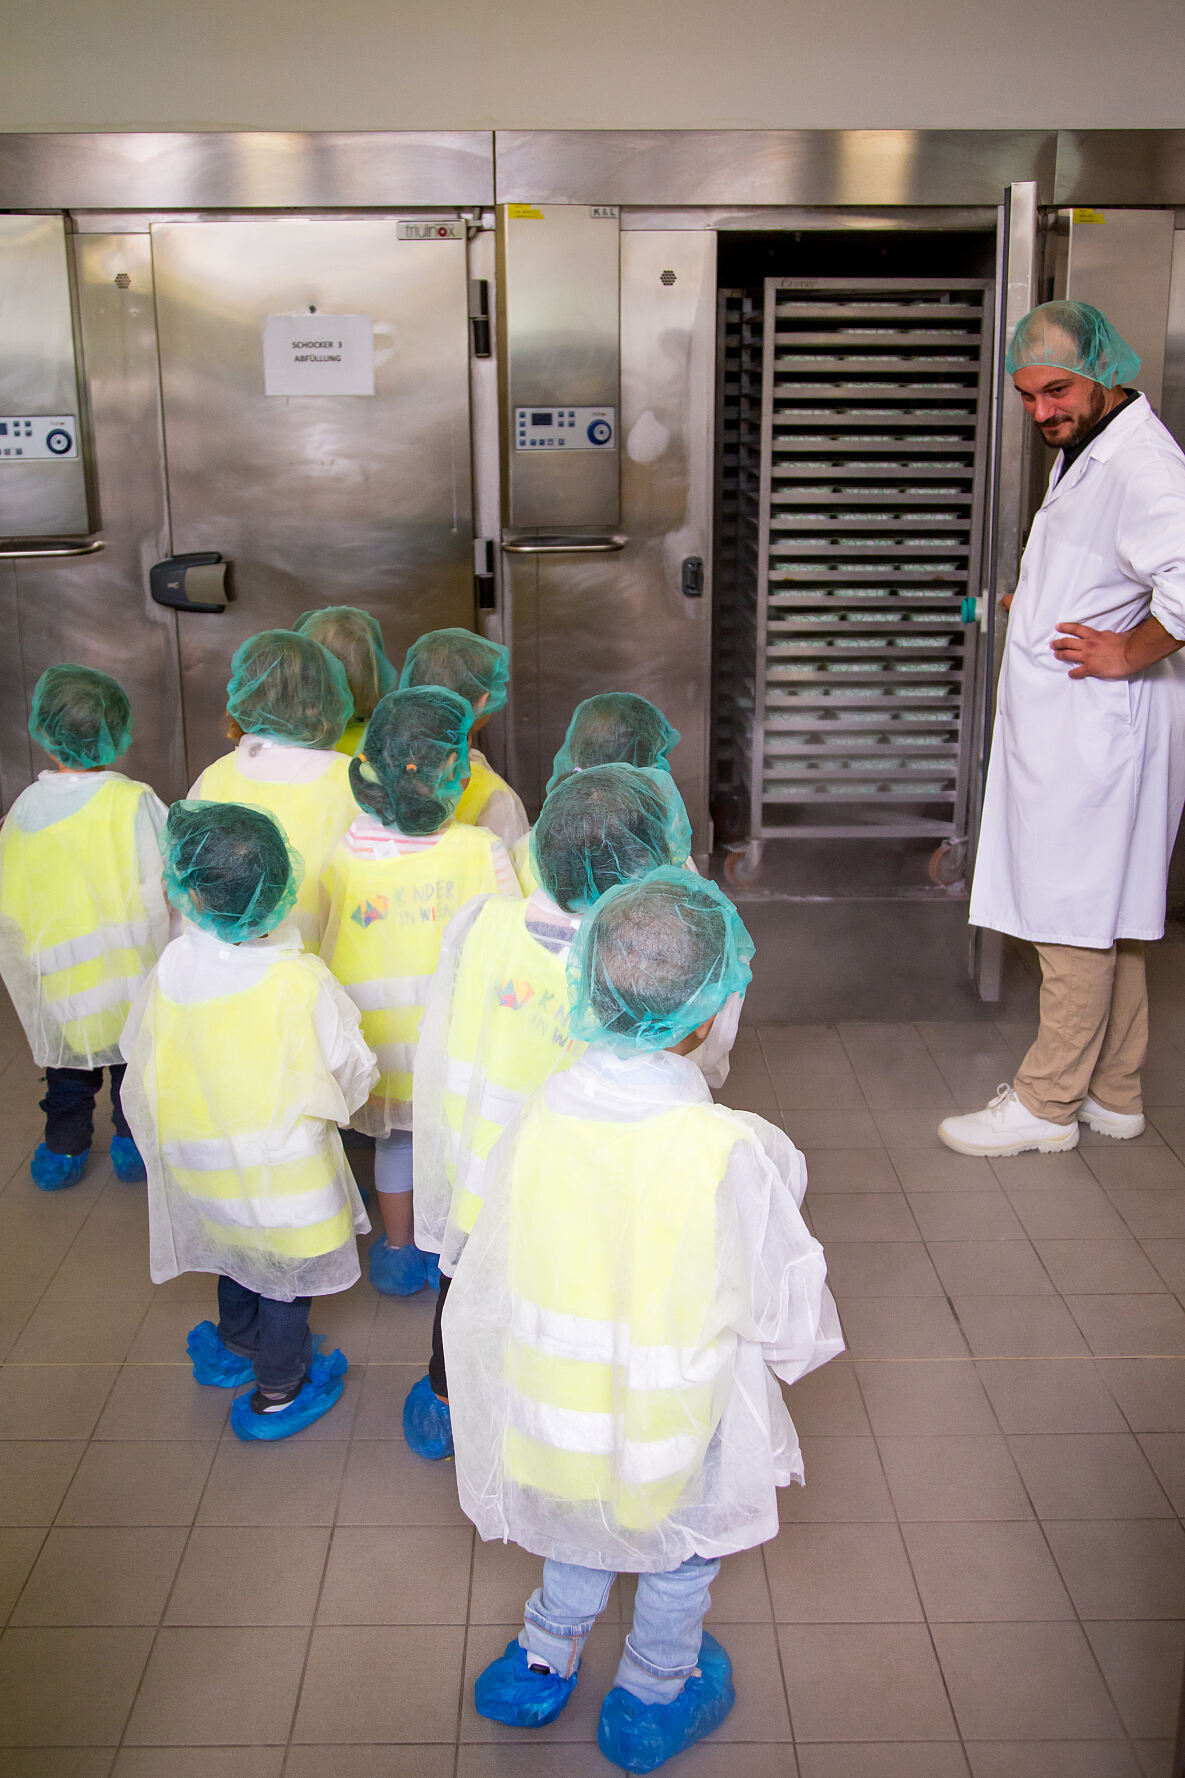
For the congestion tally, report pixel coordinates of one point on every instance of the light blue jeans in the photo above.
(392, 1162)
(662, 1648)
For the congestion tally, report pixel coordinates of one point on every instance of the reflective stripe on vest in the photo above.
(616, 1358)
(234, 1077)
(121, 936)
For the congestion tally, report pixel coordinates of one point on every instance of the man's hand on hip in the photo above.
(1112, 654)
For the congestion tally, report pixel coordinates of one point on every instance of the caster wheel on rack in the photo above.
(948, 863)
(743, 866)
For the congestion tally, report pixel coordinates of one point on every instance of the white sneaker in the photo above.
(1123, 1125)
(1006, 1127)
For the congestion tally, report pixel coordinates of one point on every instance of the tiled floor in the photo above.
(984, 1576)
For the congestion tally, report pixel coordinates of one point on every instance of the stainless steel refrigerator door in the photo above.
(584, 623)
(318, 498)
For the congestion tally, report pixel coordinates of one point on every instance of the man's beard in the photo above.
(1086, 424)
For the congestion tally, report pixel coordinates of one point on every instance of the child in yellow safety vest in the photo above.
(613, 727)
(401, 873)
(288, 701)
(243, 1057)
(496, 1023)
(639, 1279)
(83, 916)
(479, 670)
(354, 638)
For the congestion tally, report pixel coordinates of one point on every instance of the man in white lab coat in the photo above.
(1087, 774)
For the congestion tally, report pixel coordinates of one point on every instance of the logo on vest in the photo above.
(515, 995)
(367, 912)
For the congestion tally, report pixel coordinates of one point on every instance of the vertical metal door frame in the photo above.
(769, 347)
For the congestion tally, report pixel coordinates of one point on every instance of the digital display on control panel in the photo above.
(565, 428)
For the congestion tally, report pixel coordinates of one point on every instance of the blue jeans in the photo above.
(275, 1336)
(662, 1648)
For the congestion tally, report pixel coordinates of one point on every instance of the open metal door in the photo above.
(314, 498)
(1017, 294)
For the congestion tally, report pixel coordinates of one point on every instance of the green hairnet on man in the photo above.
(1086, 779)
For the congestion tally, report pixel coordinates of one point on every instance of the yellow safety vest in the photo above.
(387, 918)
(349, 741)
(314, 817)
(483, 784)
(232, 1076)
(618, 1361)
(524, 870)
(73, 891)
(508, 1032)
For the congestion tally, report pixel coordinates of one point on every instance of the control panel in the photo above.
(564, 428)
(36, 437)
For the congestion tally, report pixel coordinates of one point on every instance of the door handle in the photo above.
(563, 546)
(56, 549)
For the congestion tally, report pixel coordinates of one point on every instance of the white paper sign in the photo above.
(318, 355)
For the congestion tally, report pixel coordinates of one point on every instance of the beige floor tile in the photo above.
(715, 1758)
(78, 1333)
(1092, 1476)
(199, 1288)
(407, 1575)
(827, 1401)
(1121, 1568)
(386, 1484)
(243, 1575)
(815, 1130)
(1070, 1213)
(845, 1484)
(34, 1475)
(119, 1218)
(1041, 1172)
(880, 1268)
(20, 1546)
(984, 1572)
(344, 1698)
(938, 1169)
(1150, 1215)
(1027, 1681)
(815, 1089)
(511, 1759)
(965, 1216)
(1150, 1391)
(921, 1398)
(1132, 1166)
(1019, 1327)
(400, 1331)
(882, 1759)
(740, 1592)
(802, 1044)
(1169, 1259)
(1050, 1395)
(960, 1477)
(56, 1762)
(1165, 1451)
(68, 1688)
(863, 1216)
(503, 1579)
(101, 1576)
(1141, 1663)
(106, 1272)
(1130, 1326)
(150, 1401)
(384, 1391)
(1086, 1267)
(1052, 1759)
(851, 1170)
(218, 1688)
(298, 1486)
(374, 1762)
(989, 1268)
(841, 1574)
(15, 1311)
(906, 1127)
(1155, 1757)
(201, 1762)
(902, 1327)
(160, 1338)
(41, 1401)
(345, 1320)
(126, 1483)
(864, 1682)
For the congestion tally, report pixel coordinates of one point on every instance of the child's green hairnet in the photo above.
(411, 766)
(614, 727)
(288, 688)
(609, 825)
(354, 638)
(462, 662)
(80, 716)
(229, 868)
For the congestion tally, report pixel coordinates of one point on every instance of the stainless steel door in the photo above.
(314, 499)
(584, 623)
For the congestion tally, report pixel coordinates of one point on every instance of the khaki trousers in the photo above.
(1093, 1033)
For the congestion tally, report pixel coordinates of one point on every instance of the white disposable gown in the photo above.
(1087, 776)
(693, 1287)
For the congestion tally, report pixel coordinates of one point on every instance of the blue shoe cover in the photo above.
(427, 1423)
(215, 1363)
(125, 1158)
(321, 1389)
(509, 1692)
(431, 1269)
(642, 1736)
(54, 1172)
(396, 1271)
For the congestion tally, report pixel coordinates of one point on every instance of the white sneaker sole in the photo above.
(1106, 1128)
(1004, 1150)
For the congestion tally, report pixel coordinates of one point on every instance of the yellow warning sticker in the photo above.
(524, 213)
(1089, 216)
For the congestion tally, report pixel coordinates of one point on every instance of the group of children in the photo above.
(349, 926)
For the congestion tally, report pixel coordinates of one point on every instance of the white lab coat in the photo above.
(1087, 776)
